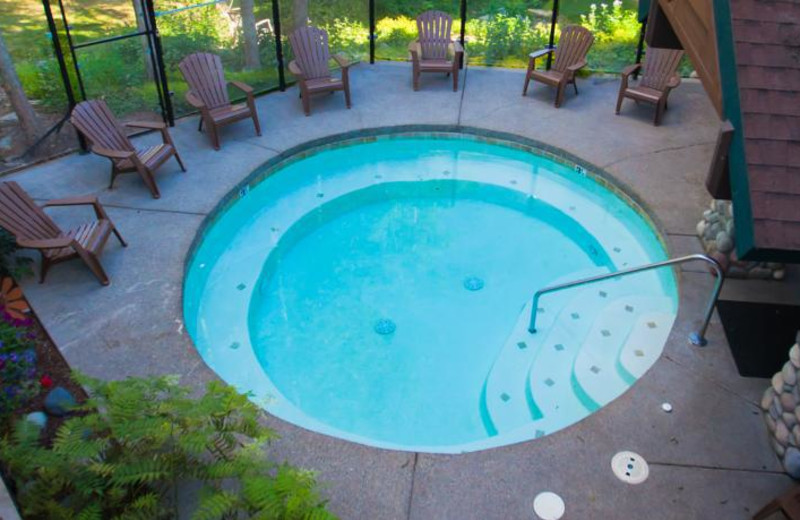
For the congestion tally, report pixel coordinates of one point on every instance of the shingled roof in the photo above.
(760, 54)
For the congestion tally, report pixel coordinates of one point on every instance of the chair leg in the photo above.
(528, 76)
(256, 123)
(200, 125)
(180, 162)
(773, 507)
(575, 86)
(213, 134)
(347, 96)
(114, 173)
(305, 98)
(659, 113)
(620, 97)
(149, 181)
(45, 268)
(560, 94)
(91, 261)
(455, 79)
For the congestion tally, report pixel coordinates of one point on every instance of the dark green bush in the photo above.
(136, 441)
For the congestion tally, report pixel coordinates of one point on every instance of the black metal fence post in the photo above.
(276, 22)
(463, 29)
(62, 68)
(553, 22)
(75, 63)
(157, 60)
(372, 31)
(640, 47)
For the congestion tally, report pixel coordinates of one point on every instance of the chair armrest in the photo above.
(295, 69)
(457, 47)
(540, 53)
(45, 243)
(415, 49)
(85, 200)
(195, 101)
(151, 125)
(244, 87)
(577, 66)
(630, 69)
(341, 61)
(72, 201)
(113, 154)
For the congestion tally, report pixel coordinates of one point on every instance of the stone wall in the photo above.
(716, 232)
(781, 405)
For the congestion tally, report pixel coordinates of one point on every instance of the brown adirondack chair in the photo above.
(34, 229)
(208, 92)
(659, 77)
(434, 51)
(96, 122)
(310, 66)
(570, 57)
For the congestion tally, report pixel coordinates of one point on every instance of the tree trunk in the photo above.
(250, 35)
(141, 26)
(299, 13)
(9, 81)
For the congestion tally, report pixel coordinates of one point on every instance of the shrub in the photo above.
(135, 441)
(18, 383)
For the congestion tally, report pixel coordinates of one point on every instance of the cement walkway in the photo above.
(709, 459)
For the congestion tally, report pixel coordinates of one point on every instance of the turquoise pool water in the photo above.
(379, 291)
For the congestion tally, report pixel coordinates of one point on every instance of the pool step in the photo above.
(635, 357)
(506, 398)
(595, 371)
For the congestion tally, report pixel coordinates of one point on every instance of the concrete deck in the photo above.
(709, 459)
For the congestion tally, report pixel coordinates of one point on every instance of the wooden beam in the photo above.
(718, 180)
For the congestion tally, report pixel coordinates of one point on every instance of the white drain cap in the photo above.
(548, 506)
(666, 407)
(630, 467)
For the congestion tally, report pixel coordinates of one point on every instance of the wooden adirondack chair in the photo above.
(208, 92)
(96, 122)
(570, 57)
(659, 77)
(34, 229)
(310, 65)
(434, 51)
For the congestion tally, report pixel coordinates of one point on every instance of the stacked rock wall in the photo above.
(716, 232)
(781, 405)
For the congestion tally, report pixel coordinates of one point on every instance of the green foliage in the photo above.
(505, 40)
(136, 440)
(616, 33)
(11, 264)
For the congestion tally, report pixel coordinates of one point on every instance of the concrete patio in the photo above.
(709, 459)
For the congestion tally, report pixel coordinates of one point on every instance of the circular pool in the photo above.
(379, 290)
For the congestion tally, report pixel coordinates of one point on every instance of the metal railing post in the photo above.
(696, 338)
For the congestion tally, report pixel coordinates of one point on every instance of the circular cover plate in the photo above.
(548, 506)
(630, 467)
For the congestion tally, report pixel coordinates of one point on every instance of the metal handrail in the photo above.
(696, 338)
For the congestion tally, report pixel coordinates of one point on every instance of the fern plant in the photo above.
(134, 443)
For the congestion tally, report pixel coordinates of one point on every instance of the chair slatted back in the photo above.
(434, 34)
(310, 47)
(20, 216)
(659, 67)
(573, 45)
(205, 76)
(94, 120)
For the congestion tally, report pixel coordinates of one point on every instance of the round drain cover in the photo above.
(548, 506)
(630, 467)
(473, 283)
(385, 327)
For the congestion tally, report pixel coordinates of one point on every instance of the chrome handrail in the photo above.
(696, 338)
